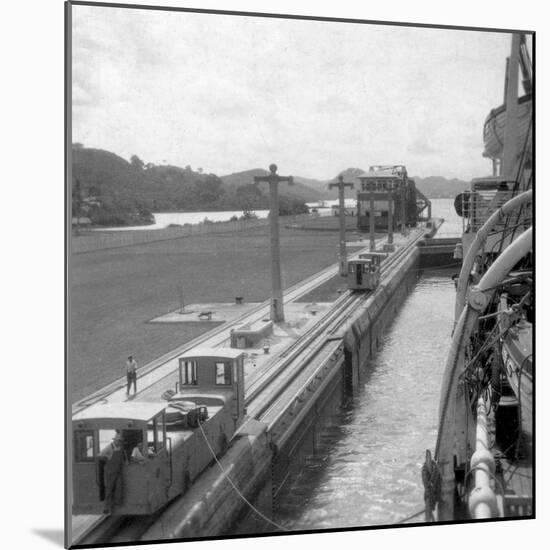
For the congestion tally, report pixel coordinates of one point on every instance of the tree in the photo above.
(77, 199)
(290, 206)
(250, 196)
(136, 162)
(209, 189)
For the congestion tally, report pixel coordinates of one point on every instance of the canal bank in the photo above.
(116, 294)
(206, 510)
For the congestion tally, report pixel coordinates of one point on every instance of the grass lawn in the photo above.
(113, 293)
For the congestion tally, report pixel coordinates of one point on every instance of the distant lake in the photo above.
(444, 208)
(441, 208)
(164, 219)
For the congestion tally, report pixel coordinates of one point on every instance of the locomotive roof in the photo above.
(229, 353)
(132, 410)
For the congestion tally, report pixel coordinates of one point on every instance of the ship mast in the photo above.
(511, 130)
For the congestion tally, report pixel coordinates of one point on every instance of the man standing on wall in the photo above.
(131, 374)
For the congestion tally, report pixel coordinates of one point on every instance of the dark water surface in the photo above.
(365, 469)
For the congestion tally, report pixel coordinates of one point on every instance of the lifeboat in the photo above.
(493, 129)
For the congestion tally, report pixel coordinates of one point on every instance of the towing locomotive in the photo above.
(364, 272)
(132, 458)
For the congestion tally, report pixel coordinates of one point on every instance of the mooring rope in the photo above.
(252, 507)
(412, 517)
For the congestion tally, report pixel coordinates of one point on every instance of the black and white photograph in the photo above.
(299, 275)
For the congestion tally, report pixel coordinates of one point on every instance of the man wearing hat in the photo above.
(131, 375)
(110, 473)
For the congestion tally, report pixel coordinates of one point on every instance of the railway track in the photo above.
(160, 368)
(265, 394)
(268, 387)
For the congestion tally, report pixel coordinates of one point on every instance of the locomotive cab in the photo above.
(364, 273)
(133, 457)
(209, 378)
(121, 462)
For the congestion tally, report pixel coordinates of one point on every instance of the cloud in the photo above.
(422, 146)
(227, 93)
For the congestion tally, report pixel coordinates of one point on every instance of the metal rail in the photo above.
(291, 294)
(310, 343)
(303, 350)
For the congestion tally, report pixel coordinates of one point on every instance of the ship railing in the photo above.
(484, 203)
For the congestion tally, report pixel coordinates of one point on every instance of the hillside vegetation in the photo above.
(112, 191)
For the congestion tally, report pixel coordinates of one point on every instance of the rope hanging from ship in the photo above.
(431, 479)
(235, 488)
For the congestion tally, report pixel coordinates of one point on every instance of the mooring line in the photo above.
(252, 507)
(411, 517)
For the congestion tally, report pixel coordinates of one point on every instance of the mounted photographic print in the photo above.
(300, 274)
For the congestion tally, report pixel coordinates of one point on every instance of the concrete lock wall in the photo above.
(212, 506)
(290, 458)
(361, 337)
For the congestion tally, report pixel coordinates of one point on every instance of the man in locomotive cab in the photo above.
(115, 444)
(139, 453)
(111, 460)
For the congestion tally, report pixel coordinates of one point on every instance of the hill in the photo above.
(300, 189)
(112, 191)
(107, 189)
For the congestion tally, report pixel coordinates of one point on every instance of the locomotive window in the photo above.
(84, 446)
(158, 435)
(189, 375)
(223, 374)
(350, 268)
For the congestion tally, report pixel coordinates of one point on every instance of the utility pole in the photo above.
(341, 209)
(277, 310)
(78, 205)
(372, 243)
(390, 215)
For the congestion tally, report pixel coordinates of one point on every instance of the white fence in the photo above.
(97, 240)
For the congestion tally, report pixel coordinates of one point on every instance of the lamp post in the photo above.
(277, 310)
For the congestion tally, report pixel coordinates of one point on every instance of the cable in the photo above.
(411, 517)
(252, 507)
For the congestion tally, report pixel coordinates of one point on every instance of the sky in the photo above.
(230, 93)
